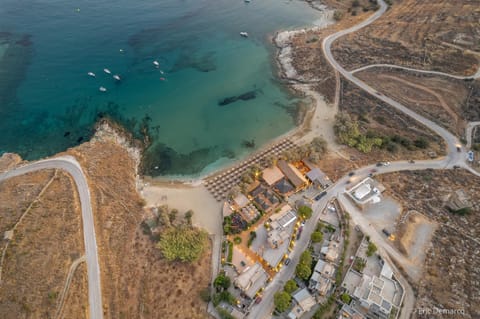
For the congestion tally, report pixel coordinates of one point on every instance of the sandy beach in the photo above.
(207, 211)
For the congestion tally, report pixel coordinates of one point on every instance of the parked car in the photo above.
(379, 164)
(459, 149)
(456, 166)
(287, 261)
(374, 170)
(351, 173)
(412, 161)
(386, 232)
(319, 196)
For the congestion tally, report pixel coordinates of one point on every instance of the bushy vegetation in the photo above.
(304, 267)
(290, 286)
(359, 264)
(346, 298)
(252, 237)
(371, 249)
(316, 237)
(312, 151)
(222, 282)
(282, 300)
(183, 243)
(223, 313)
(305, 212)
(224, 296)
(230, 252)
(349, 133)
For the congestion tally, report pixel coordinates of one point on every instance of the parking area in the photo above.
(383, 215)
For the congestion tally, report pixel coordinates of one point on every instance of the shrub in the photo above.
(290, 286)
(316, 237)
(223, 313)
(222, 282)
(183, 243)
(305, 212)
(237, 240)
(346, 298)
(371, 249)
(282, 300)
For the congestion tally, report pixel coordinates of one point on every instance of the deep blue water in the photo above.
(48, 102)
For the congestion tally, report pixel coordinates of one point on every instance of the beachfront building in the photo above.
(316, 176)
(265, 198)
(272, 175)
(304, 301)
(294, 176)
(278, 226)
(251, 280)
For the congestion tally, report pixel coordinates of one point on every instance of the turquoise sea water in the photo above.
(48, 102)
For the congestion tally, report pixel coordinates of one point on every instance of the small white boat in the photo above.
(161, 72)
(91, 74)
(107, 71)
(117, 77)
(156, 63)
(244, 34)
(102, 89)
(247, 1)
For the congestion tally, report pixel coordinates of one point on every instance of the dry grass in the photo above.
(437, 98)
(45, 244)
(432, 35)
(136, 281)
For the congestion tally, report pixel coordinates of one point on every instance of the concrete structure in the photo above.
(284, 187)
(278, 224)
(367, 191)
(321, 280)
(318, 178)
(292, 174)
(271, 175)
(331, 252)
(240, 201)
(377, 295)
(251, 280)
(303, 303)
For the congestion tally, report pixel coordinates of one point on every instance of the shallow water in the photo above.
(48, 102)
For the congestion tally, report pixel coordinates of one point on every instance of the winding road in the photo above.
(70, 165)
(456, 157)
(393, 66)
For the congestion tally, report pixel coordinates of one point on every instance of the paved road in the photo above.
(455, 157)
(71, 165)
(392, 66)
(468, 132)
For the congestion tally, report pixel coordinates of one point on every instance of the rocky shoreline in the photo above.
(108, 131)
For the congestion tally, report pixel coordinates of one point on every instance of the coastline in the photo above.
(316, 121)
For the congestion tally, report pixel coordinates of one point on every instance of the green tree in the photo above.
(188, 216)
(183, 243)
(421, 143)
(223, 313)
(222, 282)
(290, 286)
(306, 258)
(237, 240)
(303, 271)
(282, 300)
(371, 249)
(172, 215)
(316, 237)
(346, 298)
(305, 212)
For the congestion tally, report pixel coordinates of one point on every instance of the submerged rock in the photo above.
(250, 95)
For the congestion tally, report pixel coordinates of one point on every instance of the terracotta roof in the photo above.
(292, 173)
